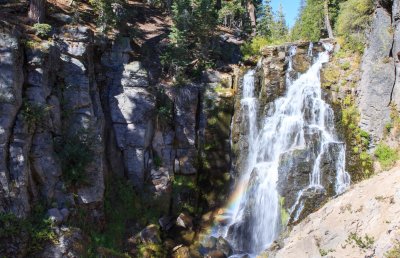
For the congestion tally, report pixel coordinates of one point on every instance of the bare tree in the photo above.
(327, 21)
(37, 10)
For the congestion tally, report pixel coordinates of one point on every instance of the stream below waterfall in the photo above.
(254, 215)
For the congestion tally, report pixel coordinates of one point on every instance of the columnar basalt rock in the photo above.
(11, 80)
(132, 109)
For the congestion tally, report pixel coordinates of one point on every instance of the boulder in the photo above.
(185, 221)
(55, 215)
(150, 235)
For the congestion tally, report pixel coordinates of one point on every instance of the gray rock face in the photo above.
(378, 77)
(186, 108)
(70, 244)
(132, 109)
(82, 102)
(396, 51)
(11, 80)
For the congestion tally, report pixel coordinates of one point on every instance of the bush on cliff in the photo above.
(353, 20)
(386, 155)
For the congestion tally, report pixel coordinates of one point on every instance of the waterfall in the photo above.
(255, 219)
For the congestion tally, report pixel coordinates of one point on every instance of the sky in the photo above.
(290, 8)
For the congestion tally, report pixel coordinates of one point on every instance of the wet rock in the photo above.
(301, 63)
(224, 246)
(184, 221)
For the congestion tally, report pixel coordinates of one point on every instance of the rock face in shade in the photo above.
(378, 76)
(11, 80)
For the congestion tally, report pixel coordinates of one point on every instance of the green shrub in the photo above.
(253, 48)
(42, 29)
(34, 114)
(75, 153)
(353, 20)
(106, 18)
(365, 242)
(394, 252)
(345, 66)
(157, 161)
(386, 156)
(37, 228)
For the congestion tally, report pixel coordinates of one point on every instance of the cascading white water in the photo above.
(255, 216)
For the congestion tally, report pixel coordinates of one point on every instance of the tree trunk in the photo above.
(252, 14)
(218, 5)
(327, 21)
(37, 10)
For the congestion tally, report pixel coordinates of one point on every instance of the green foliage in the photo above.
(352, 21)
(10, 225)
(123, 209)
(324, 252)
(231, 14)
(310, 23)
(284, 214)
(345, 66)
(181, 184)
(120, 205)
(386, 155)
(253, 47)
(157, 162)
(151, 250)
(191, 37)
(365, 242)
(40, 229)
(265, 23)
(394, 252)
(106, 16)
(37, 228)
(34, 114)
(75, 153)
(42, 29)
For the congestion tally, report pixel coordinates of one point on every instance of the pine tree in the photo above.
(266, 21)
(311, 24)
(191, 37)
(280, 29)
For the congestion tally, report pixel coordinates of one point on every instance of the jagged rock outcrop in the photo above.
(12, 182)
(378, 76)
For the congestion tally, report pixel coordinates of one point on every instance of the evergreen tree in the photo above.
(266, 21)
(191, 37)
(311, 24)
(280, 29)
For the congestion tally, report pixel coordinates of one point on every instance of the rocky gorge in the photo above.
(92, 131)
